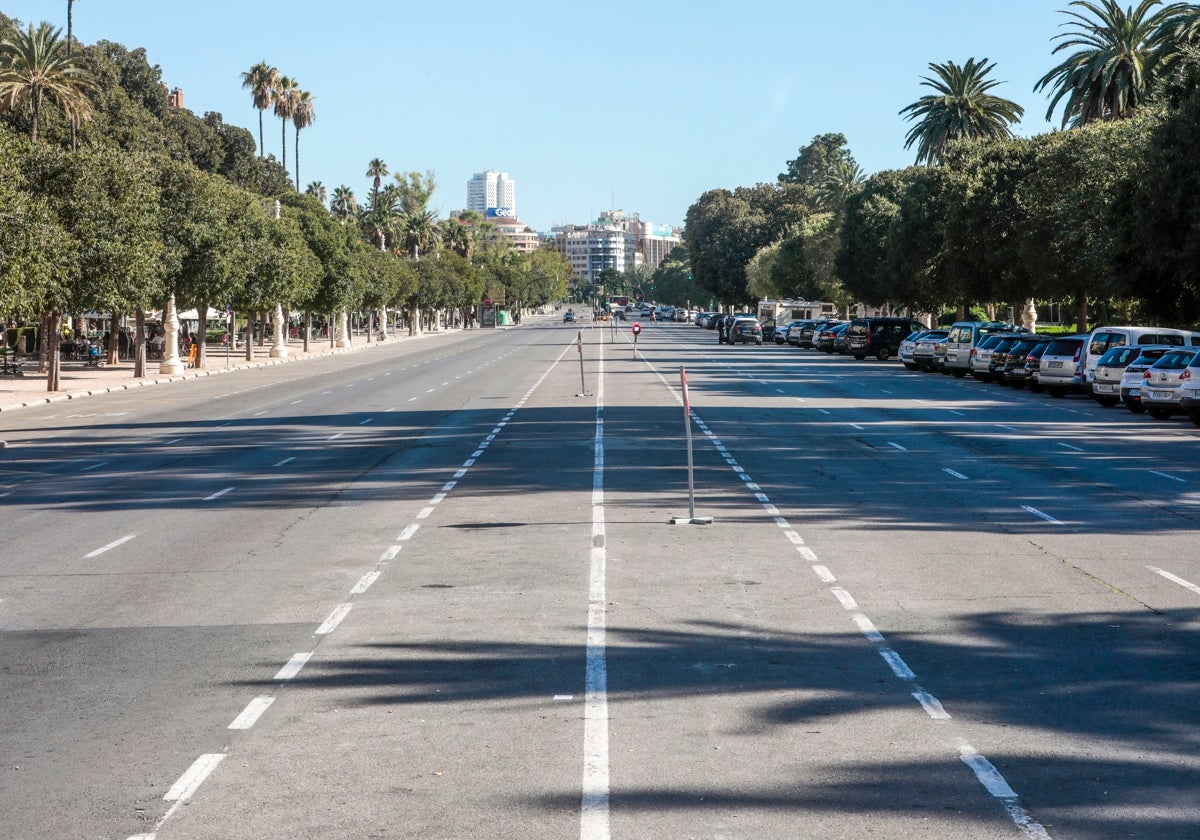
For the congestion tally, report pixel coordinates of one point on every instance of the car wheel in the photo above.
(860, 356)
(1195, 417)
(759, 342)
(911, 366)
(1057, 393)
(983, 377)
(959, 373)
(1035, 386)
(1108, 402)
(1135, 407)
(1017, 384)
(1159, 413)
(882, 354)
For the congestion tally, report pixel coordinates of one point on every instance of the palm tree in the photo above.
(317, 190)
(420, 231)
(1114, 71)
(962, 108)
(377, 170)
(1177, 34)
(844, 180)
(344, 204)
(378, 218)
(70, 41)
(34, 65)
(304, 114)
(261, 80)
(283, 95)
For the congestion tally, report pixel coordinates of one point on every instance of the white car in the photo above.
(1132, 378)
(1162, 381)
(1189, 390)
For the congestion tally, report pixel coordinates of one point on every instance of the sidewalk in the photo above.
(77, 380)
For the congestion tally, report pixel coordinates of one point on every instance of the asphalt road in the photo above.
(434, 591)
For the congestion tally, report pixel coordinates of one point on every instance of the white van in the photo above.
(1103, 339)
(963, 337)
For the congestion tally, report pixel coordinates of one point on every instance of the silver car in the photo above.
(1161, 383)
(1106, 384)
(1133, 377)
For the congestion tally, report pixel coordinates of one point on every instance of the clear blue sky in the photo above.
(636, 106)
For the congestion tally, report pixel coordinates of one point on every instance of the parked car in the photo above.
(905, 351)
(981, 355)
(998, 356)
(963, 337)
(1015, 372)
(1033, 363)
(828, 335)
(794, 331)
(1132, 378)
(841, 339)
(878, 337)
(1189, 390)
(1161, 384)
(768, 328)
(1061, 371)
(1106, 381)
(745, 329)
(1103, 339)
(808, 332)
(781, 334)
(924, 349)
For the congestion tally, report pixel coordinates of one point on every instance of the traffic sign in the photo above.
(637, 328)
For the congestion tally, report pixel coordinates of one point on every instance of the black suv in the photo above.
(878, 337)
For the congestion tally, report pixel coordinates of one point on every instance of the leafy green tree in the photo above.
(724, 230)
(862, 260)
(261, 80)
(1112, 73)
(35, 66)
(960, 108)
(37, 251)
(818, 160)
(916, 241)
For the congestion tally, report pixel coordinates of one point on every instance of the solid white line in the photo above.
(364, 582)
(293, 666)
(194, 777)
(593, 813)
(1041, 515)
(252, 713)
(1168, 475)
(1185, 584)
(284, 461)
(109, 547)
(219, 494)
(954, 473)
(335, 618)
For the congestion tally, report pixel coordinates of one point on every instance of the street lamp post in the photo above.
(278, 339)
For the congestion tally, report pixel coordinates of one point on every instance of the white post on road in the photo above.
(582, 383)
(691, 519)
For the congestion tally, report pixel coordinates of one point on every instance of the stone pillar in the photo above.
(278, 339)
(170, 362)
(343, 339)
(1029, 316)
(383, 324)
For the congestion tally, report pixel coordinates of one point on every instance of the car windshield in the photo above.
(1063, 347)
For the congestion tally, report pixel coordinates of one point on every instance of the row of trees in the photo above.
(1103, 213)
(113, 201)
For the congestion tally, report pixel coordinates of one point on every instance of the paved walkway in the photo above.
(77, 380)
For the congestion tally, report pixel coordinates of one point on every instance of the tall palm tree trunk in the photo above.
(283, 137)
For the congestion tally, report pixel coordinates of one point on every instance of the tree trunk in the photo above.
(201, 332)
(307, 328)
(139, 345)
(250, 317)
(54, 322)
(1081, 324)
(114, 339)
(333, 322)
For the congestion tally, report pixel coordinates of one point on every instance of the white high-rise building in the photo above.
(492, 194)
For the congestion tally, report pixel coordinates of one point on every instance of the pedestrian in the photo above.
(193, 353)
